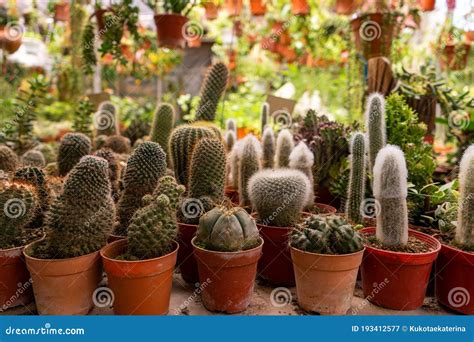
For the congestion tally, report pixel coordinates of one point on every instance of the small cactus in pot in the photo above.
(465, 224)
(8, 159)
(163, 122)
(72, 148)
(301, 158)
(268, 147)
(375, 124)
(212, 89)
(284, 146)
(249, 164)
(356, 191)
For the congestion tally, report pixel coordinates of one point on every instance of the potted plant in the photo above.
(346, 7)
(326, 252)
(65, 267)
(452, 47)
(395, 258)
(258, 7)
(454, 266)
(300, 7)
(427, 5)
(234, 7)
(227, 248)
(60, 9)
(10, 31)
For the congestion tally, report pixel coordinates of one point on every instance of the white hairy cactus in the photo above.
(231, 125)
(284, 146)
(250, 163)
(230, 139)
(465, 225)
(301, 158)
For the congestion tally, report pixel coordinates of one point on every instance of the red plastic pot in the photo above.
(186, 260)
(299, 7)
(257, 7)
(169, 29)
(113, 238)
(454, 281)
(227, 278)
(61, 12)
(427, 5)
(397, 280)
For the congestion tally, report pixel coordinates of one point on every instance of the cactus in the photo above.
(375, 125)
(82, 121)
(118, 144)
(8, 159)
(234, 162)
(230, 139)
(264, 116)
(465, 224)
(227, 230)
(279, 196)
(163, 122)
(231, 125)
(106, 119)
(33, 158)
(268, 146)
(284, 146)
(145, 167)
(390, 191)
(72, 148)
(153, 227)
(114, 174)
(211, 91)
(207, 124)
(250, 163)
(326, 235)
(356, 190)
(301, 158)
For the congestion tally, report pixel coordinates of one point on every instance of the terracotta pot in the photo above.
(425, 107)
(469, 36)
(211, 10)
(257, 7)
(186, 260)
(233, 194)
(449, 59)
(64, 286)
(299, 7)
(346, 7)
(169, 28)
(113, 238)
(325, 283)
(427, 5)
(234, 7)
(15, 284)
(325, 209)
(61, 12)
(139, 287)
(227, 278)
(9, 41)
(195, 42)
(397, 280)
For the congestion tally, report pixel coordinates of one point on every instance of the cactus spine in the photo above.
(284, 146)
(264, 116)
(375, 125)
(211, 92)
(356, 191)
(72, 148)
(301, 158)
(465, 225)
(8, 159)
(390, 190)
(268, 146)
(250, 163)
(163, 122)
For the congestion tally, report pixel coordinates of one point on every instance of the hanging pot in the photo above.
(234, 7)
(257, 7)
(300, 7)
(427, 5)
(61, 12)
(211, 10)
(454, 60)
(169, 29)
(10, 39)
(186, 260)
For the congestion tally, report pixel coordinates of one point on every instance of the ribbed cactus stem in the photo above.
(250, 163)
(268, 146)
(163, 122)
(264, 116)
(301, 158)
(390, 190)
(465, 225)
(211, 91)
(230, 139)
(234, 163)
(375, 125)
(284, 146)
(356, 191)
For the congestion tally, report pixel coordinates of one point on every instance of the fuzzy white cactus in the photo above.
(301, 158)
(250, 163)
(230, 139)
(231, 125)
(375, 125)
(465, 224)
(268, 146)
(233, 161)
(284, 146)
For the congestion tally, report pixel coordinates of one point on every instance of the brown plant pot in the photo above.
(233, 194)
(61, 12)
(211, 10)
(169, 29)
(64, 286)
(257, 7)
(300, 7)
(325, 283)
(99, 15)
(425, 107)
(7, 42)
(324, 209)
(450, 61)
(227, 278)
(186, 260)
(427, 5)
(346, 7)
(113, 238)
(140, 287)
(234, 7)
(469, 36)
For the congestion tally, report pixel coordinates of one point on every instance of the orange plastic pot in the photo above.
(233, 194)
(139, 287)
(257, 7)
(61, 12)
(346, 7)
(113, 238)
(15, 284)
(427, 5)
(325, 283)
(64, 286)
(186, 260)
(227, 278)
(169, 30)
(234, 7)
(8, 41)
(211, 10)
(299, 7)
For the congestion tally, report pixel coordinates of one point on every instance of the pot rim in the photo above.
(456, 249)
(228, 253)
(187, 224)
(52, 260)
(125, 241)
(328, 255)
(155, 16)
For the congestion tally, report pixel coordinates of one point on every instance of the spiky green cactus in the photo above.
(390, 191)
(301, 158)
(264, 115)
(117, 143)
(114, 168)
(99, 141)
(284, 146)
(230, 139)
(227, 230)
(83, 116)
(268, 146)
(375, 125)
(326, 235)
(211, 91)
(279, 196)
(356, 190)
(33, 158)
(106, 120)
(234, 163)
(145, 167)
(250, 163)
(163, 122)
(465, 225)
(72, 148)
(8, 159)
(231, 125)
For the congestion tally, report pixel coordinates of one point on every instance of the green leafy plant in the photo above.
(83, 117)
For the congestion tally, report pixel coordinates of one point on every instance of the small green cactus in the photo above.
(250, 163)
(234, 162)
(72, 148)
(8, 159)
(163, 122)
(465, 224)
(375, 124)
(211, 92)
(268, 146)
(301, 158)
(106, 119)
(117, 143)
(114, 173)
(284, 146)
(82, 121)
(33, 158)
(264, 115)
(356, 190)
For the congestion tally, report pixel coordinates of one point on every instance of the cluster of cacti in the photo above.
(72, 148)
(375, 125)
(390, 191)
(284, 146)
(145, 167)
(301, 158)
(268, 147)
(264, 116)
(153, 227)
(33, 158)
(356, 190)
(465, 223)
(212, 89)
(326, 235)
(106, 119)
(114, 173)
(83, 116)
(279, 196)
(163, 122)
(82, 217)
(209, 125)
(8, 159)
(227, 230)
(249, 164)
(118, 144)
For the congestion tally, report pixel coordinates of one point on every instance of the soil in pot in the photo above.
(140, 287)
(227, 278)
(169, 28)
(186, 260)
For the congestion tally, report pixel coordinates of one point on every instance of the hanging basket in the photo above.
(10, 39)
(169, 30)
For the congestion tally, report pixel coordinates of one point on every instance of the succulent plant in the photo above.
(268, 146)
(83, 116)
(227, 230)
(375, 124)
(230, 139)
(356, 190)
(234, 163)
(465, 225)
(249, 164)
(117, 143)
(114, 173)
(72, 148)
(284, 146)
(163, 122)
(264, 115)
(33, 158)
(326, 235)
(106, 119)
(8, 159)
(231, 125)
(301, 158)
(279, 196)
(390, 191)
(211, 91)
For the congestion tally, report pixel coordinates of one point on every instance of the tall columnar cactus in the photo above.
(356, 190)
(227, 230)
(145, 167)
(375, 125)
(33, 158)
(279, 196)
(114, 169)
(284, 146)
(231, 125)
(163, 122)
(230, 139)
(8, 159)
(72, 148)
(234, 163)
(390, 190)
(153, 227)
(465, 224)
(117, 143)
(182, 142)
(106, 120)
(250, 163)
(268, 146)
(81, 219)
(211, 91)
(301, 158)
(264, 115)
